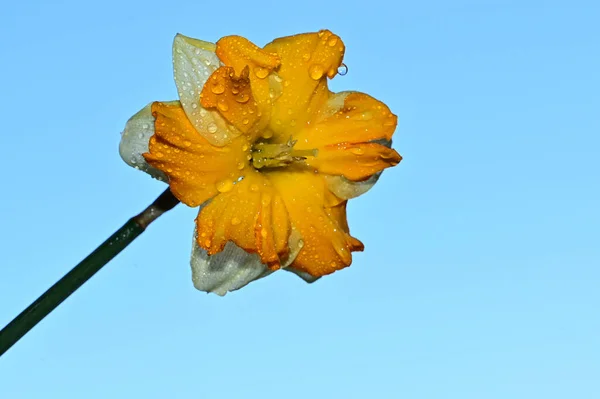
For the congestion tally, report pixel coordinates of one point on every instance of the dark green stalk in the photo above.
(81, 273)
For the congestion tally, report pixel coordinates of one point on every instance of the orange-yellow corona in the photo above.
(270, 155)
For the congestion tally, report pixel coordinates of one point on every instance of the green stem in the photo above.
(81, 273)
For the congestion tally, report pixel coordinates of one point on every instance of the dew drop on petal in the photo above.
(332, 42)
(357, 151)
(342, 69)
(224, 186)
(316, 71)
(254, 187)
(263, 232)
(235, 221)
(218, 88)
(261, 73)
(242, 98)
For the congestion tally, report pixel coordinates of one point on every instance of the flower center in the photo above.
(268, 155)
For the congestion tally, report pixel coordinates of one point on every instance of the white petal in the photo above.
(303, 275)
(134, 142)
(193, 63)
(234, 268)
(347, 189)
(229, 270)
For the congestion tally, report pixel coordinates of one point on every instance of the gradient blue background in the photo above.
(481, 274)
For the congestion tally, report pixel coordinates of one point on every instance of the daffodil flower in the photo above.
(267, 152)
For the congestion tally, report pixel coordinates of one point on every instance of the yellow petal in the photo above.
(327, 244)
(306, 61)
(195, 168)
(240, 53)
(252, 215)
(232, 97)
(348, 117)
(354, 161)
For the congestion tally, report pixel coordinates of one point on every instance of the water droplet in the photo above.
(159, 154)
(212, 127)
(253, 187)
(306, 56)
(202, 112)
(266, 200)
(245, 147)
(261, 73)
(263, 232)
(224, 186)
(277, 78)
(218, 88)
(187, 143)
(245, 121)
(342, 69)
(241, 165)
(267, 134)
(300, 244)
(242, 98)
(333, 41)
(235, 221)
(194, 105)
(357, 151)
(293, 123)
(316, 71)
(222, 105)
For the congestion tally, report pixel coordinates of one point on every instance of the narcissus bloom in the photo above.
(269, 154)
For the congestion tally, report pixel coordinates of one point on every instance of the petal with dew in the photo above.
(234, 268)
(251, 214)
(354, 161)
(195, 168)
(306, 61)
(327, 244)
(232, 97)
(134, 142)
(348, 117)
(193, 62)
(240, 53)
(228, 270)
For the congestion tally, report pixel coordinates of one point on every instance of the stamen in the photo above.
(265, 155)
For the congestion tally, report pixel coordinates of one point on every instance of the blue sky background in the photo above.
(481, 273)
